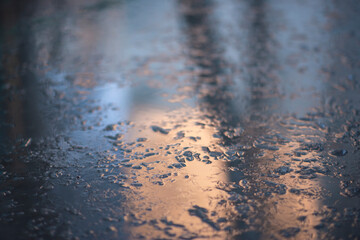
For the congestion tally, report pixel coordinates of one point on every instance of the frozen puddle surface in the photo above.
(179, 120)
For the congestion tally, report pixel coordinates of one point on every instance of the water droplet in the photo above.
(289, 232)
(160, 130)
(339, 152)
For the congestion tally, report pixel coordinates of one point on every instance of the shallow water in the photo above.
(179, 119)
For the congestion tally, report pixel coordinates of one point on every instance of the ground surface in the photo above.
(170, 119)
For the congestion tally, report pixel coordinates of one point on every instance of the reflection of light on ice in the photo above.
(294, 209)
(192, 185)
(119, 99)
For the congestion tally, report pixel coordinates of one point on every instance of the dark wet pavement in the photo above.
(182, 119)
